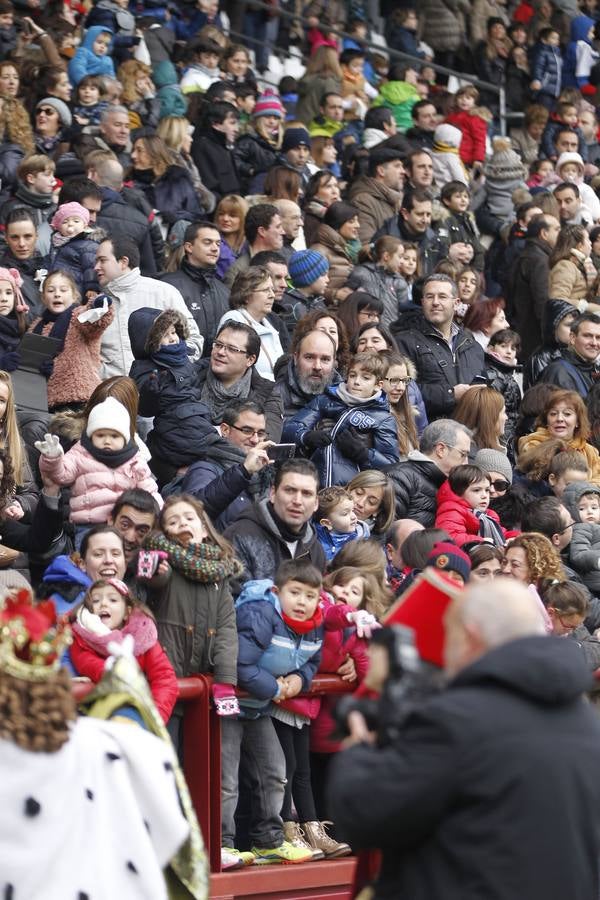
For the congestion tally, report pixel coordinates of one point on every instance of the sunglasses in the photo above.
(46, 110)
(500, 485)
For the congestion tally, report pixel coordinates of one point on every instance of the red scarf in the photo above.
(303, 626)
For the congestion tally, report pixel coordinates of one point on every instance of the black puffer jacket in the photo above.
(571, 373)
(215, 162)
(261, 391)
(501, 377)
(261, 548)
(491, 787)
(172, 194)
(416, 483)
(550, 349)
(119, 219)
(206, 297)
(253, 155)
(439, 369)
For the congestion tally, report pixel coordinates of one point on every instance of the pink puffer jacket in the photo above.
(96, 487)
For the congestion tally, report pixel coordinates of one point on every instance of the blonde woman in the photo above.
(177, 132)
(27, 493)
(229, 218)
(139, 94)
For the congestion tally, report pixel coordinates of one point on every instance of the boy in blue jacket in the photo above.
(280, 633)
(92, 57)
(546, 67)
(349, 427)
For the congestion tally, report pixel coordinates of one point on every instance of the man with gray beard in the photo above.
(309, 371)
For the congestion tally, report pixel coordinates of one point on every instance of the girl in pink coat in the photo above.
(99, 467)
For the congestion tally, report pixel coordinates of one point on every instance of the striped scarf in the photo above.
(202, 562)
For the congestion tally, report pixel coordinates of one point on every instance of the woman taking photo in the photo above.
(229, 218)
(168, 187)
(564, 418)
(482, 410)
(321, 191)
(251, 300)
(572, 272)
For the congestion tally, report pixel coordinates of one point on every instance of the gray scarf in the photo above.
(218, 397)
(349, 400)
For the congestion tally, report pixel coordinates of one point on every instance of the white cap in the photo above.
(112, 415)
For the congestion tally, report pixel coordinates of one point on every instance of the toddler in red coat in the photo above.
(463, 508)
(106, 615)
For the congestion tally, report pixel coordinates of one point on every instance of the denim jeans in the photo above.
(255, 741)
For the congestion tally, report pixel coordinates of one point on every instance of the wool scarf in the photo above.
(171, 355)
(303, 626)
(110, 458)
(289, 536)
(218, 397)
(204, 562)
(59, 321)
(350, 400)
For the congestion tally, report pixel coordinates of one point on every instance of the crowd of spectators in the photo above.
(285, 319)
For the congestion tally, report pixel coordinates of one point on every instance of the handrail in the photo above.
(202, 748)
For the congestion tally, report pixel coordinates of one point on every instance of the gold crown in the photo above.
(32, 641)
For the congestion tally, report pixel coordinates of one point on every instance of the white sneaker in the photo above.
(230, 859)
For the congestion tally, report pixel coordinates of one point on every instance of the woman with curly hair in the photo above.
(482, 410)
(139, 94)
(531, 559)
(565, 418)
(16, 139)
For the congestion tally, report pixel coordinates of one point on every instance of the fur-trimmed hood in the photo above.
(147, 326)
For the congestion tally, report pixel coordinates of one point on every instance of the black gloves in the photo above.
(99, 300)
(46, 368)
(353, 446)
(314, 440)
(10, 360)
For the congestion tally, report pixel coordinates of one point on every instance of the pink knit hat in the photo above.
(269, 104)
(14, 279)
(69, 209)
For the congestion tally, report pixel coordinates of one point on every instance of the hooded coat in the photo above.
(172, 101)
(457, 518)
(261, 548)
(372, 419)
(399, 97)
(268, 648)
(182, 426)
(490, 789)
(550, 349)
(584, 549)
(579, 54)
(86, 62)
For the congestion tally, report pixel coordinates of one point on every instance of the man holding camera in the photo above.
(489, 788)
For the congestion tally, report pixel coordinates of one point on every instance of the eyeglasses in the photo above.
(569, 627)
(566, 528)
(219, 345)
(464, 454)
(500, 486)
(47, 110)
(260, 433)
(396, 382)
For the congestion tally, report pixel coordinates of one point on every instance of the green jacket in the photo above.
(400, 97)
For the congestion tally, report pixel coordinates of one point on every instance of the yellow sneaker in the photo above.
(286, 854)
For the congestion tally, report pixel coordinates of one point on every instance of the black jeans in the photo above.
(295, 743)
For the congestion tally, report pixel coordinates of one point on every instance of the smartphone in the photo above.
(281, 451)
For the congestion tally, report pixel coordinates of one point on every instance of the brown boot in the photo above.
(316, 836)
(295, 836)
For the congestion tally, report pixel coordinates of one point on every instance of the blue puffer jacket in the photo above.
(69, 581)
(268, 648)
(78, 258)
(371, 418)
(547, 68)
(86, 62)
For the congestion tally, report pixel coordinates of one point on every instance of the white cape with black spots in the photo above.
(99, 820)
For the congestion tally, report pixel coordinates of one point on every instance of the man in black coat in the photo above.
(212, 149)
(227, 478)
(279, 528)
(528, 282)
(205, 295)
(447, 357)
(413, 225)
(576, 369)
(443, 445)
(490, 788)
(229, 375)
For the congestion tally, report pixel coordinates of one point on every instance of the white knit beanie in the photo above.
(112, 415)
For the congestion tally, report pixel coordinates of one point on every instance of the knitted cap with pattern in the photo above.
(305, 266)
(447, 557)
(504, 164)
(494, 461)
(269, 104)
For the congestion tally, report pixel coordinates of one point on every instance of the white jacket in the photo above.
(129, 292)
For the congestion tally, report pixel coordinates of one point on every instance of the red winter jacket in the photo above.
(456, 517)
(337, 645)
(474, 133)
(89, 652)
